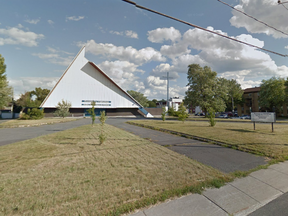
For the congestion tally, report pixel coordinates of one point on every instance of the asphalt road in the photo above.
(225, 159)
(277, 207)
(12, 135)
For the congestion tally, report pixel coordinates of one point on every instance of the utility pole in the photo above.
(167, 87)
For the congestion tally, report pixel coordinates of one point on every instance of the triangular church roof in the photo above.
(84, 82)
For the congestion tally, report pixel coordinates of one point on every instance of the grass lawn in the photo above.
(31, 123)
(242, 135)
(69, 173)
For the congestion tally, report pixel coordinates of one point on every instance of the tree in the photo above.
(234, 92)
(26, 99)
(102, 119)
(138, 96)
(152, 104)
(63, 108)
(92, 112)
(40, 94)
(272, 94)
(205, 89)
(163, 114)
(182, 114)
(211, 116)
(6, 92)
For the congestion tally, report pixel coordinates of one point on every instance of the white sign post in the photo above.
(263, 117)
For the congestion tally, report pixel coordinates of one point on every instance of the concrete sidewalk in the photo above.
(240, 197)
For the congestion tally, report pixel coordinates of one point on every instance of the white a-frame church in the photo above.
(84, 82)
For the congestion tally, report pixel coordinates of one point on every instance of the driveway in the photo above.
(12, 135)
(225, 159)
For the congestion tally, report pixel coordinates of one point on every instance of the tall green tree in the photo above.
(32, 98)
(6, 92)
(138, 96)
(234, 92)
(40, 94)
(205, 89)
(272, 94)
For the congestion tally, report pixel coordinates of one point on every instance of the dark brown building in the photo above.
(251, 104)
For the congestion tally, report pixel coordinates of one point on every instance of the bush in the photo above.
(163, 114)
(102, 138)
(34, 114)
(182, 114)
(62, 109)
(172, 112)
(92, 112)
(102, 117)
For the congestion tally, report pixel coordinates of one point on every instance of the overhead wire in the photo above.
(207, 30)
(254, 17)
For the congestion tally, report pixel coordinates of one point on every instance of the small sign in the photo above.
(263, 117)
(98, 103)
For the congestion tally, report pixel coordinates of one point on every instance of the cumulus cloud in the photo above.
(24, 84)
(155, 87)
(267, 11)
(129, 53)
(74, 18)
(160, 35)
(131, 34)
(17, 36)
(123, 73)
(56, 56)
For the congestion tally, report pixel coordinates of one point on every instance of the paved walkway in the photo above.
(224, 159)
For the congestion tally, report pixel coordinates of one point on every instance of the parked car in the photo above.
(223, 116)
(245, 117)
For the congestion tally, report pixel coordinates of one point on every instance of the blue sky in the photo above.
(136, 48)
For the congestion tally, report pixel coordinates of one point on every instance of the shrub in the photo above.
(102, 138)
(211, 116)
(163, 114)
(92, 112)
(182, 114)
(62, 109)
(34, 114)
(102, 117)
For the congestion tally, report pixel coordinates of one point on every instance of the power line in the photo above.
(195, 26)
(254, 17)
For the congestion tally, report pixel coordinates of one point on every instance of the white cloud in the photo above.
(157, 88)
(129, 53)
(33, 21)
(16, 36)
(56, 56)
(116, 32)
(160, 35)
(74, 18)
(123, 73)
(131, 34)
(267, 11)
(128, 33)
(50, 22)
(24, 84)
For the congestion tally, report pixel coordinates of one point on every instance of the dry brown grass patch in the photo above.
(69, 172)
